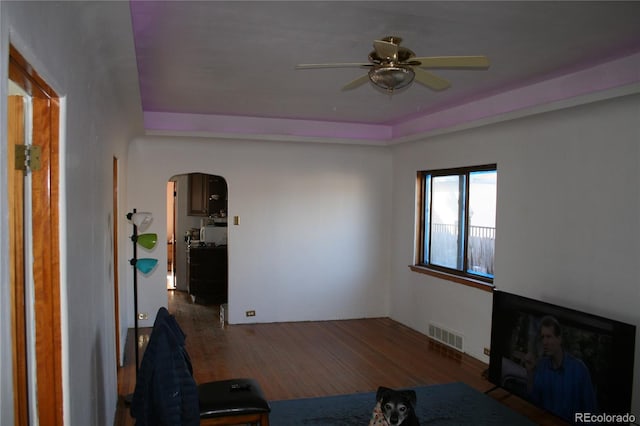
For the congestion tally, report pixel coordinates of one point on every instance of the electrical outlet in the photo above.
(487, 351)
(143, 316)
(250, 313)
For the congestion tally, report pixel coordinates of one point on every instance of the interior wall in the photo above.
(567, 218)
(96, 126)
(183, 223)
(313, 236)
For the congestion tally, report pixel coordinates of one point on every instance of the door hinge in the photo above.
(28, 157)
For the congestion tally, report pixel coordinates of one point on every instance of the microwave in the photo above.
(210, 234)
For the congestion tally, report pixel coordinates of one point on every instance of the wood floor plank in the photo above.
(314, 359)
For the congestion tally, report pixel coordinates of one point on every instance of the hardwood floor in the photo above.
(312, 359)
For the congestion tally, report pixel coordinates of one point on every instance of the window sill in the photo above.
(481, 285)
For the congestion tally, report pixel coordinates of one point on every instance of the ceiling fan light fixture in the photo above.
(391, 78)
(393, 67)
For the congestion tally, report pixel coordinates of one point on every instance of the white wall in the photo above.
(568, 227)
(72, 46)
(183, 223)
(313, 238)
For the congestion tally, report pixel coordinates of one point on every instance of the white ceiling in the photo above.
(238, 58)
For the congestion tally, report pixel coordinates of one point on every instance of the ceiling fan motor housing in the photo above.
(402, 55)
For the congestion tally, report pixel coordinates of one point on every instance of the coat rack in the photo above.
(144, 265)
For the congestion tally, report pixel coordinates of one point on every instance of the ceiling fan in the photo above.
(392, 67)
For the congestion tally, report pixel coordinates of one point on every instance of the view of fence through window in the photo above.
(450, 219)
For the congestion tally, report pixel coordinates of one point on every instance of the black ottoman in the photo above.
(232, 402)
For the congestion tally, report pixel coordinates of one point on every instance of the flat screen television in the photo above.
(592, 372)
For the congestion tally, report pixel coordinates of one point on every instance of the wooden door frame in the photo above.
(46, 248)
(116, 283)
(172, 204)
(15, 183)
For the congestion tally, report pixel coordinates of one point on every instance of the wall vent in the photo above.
(447, 337)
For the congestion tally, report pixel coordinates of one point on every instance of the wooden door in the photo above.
(171, 235)
(44, 116)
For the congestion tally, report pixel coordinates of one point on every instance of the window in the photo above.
(458, 221)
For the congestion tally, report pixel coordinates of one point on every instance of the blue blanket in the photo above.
(448, 404)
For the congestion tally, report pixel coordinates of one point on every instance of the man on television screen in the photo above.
(561, 382)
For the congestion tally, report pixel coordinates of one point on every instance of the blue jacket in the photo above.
(166, 393)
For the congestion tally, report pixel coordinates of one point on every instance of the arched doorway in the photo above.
(197, 234)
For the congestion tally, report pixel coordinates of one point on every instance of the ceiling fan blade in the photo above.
(386, 49)
(430, 80)
(336, 65)
(356, 83)
(469, 62)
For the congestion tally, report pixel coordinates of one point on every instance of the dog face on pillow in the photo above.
(397, 406)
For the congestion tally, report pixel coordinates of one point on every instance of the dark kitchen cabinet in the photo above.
(207, 195)
(207, 273)
(198, 194)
